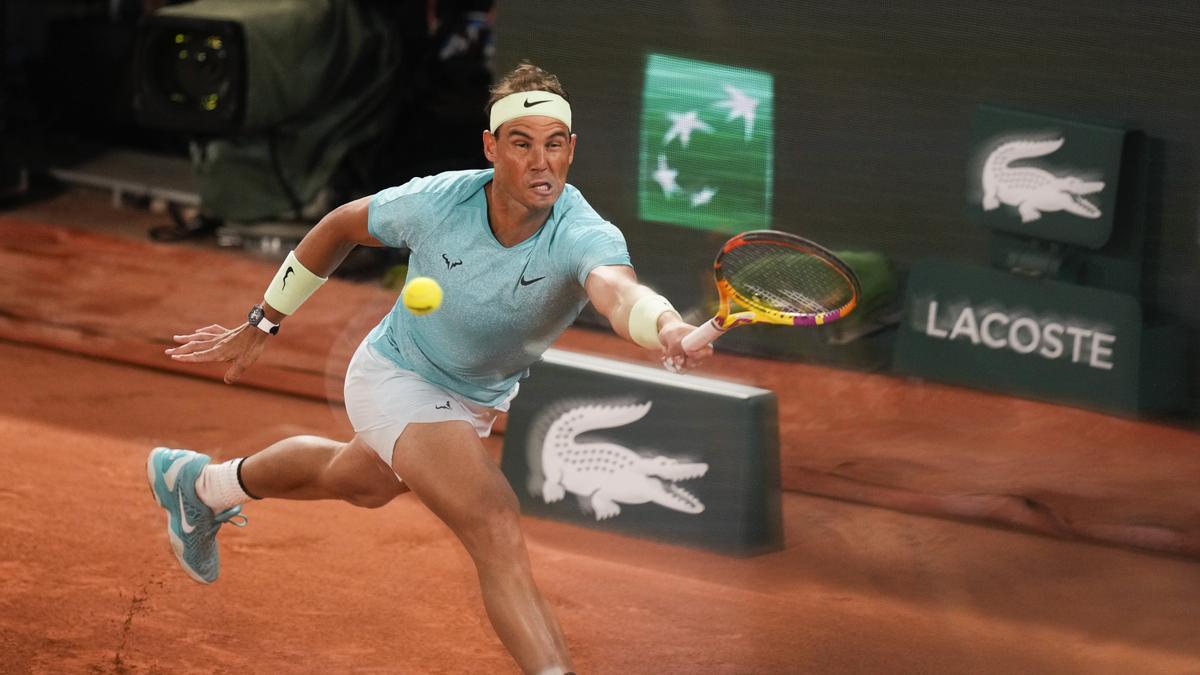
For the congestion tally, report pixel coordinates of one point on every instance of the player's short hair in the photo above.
(525, 77)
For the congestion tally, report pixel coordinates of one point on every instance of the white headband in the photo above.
(526, 103)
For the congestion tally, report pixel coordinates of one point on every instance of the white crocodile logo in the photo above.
(608, 474)
(1032, 190)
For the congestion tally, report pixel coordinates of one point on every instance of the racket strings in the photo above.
(785, 280)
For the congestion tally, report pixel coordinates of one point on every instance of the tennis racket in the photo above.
(778, 278)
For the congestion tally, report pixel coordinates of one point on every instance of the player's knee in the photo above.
(369, 500)
(350, 477)
(368, 495)
(496, 527)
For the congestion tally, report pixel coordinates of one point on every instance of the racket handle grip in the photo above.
(702, 335)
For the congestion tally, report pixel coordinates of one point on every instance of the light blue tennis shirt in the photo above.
(502, 306)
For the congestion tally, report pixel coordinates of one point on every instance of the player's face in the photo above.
(532, 156)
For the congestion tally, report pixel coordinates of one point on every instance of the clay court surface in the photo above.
(1018, 536)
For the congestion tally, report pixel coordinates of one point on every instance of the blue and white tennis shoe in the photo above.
(191, 526)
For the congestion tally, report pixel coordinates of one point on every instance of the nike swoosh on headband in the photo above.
(530, 105)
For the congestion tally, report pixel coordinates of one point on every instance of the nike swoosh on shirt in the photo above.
(173, 472)
(529, 104)
(188, 528)
(526, 282)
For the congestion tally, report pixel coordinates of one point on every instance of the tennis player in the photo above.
(519, 253)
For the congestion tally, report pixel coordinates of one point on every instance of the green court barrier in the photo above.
(1038, 338)
(627, 448)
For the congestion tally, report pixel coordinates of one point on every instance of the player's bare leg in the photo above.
(311, 467)
(448, 468)
(200, 497)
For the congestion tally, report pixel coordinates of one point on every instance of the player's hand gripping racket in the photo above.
(778, 278)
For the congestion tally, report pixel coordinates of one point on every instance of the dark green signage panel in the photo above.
(1044, 177)
(636, 450)
(1044, 339)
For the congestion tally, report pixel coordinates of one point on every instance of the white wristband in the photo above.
(292, 285)
(643, 320)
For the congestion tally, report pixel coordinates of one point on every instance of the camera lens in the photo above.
(193, 70)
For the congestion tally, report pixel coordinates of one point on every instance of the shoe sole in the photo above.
(174, 540)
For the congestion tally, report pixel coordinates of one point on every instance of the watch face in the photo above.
(257, 317)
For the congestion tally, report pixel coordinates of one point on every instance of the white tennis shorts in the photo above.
(382, 399)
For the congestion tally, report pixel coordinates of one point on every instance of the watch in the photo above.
(259, 320)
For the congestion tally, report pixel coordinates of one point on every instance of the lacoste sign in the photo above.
(1031, 189)
(1051, 340)
(1044, 177)
(601, 473)
(632, 449)
(994, 327)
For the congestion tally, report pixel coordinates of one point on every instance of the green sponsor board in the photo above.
(707, 141)
(639, 451)
(1037, 338)
(1044, 177)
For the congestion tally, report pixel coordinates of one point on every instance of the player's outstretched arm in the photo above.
(640, 315)
(315, 258)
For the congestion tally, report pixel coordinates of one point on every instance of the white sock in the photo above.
(219, 488)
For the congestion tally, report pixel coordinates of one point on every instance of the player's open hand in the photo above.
(675, 358)
(242, 346)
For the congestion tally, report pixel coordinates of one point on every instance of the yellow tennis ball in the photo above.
(421, 295)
